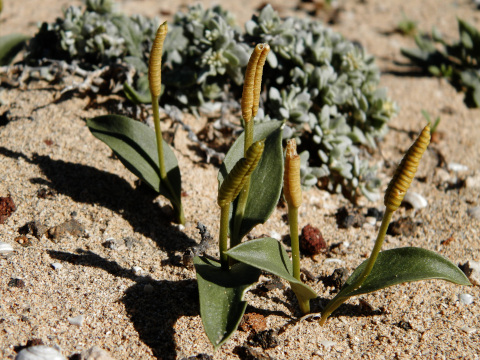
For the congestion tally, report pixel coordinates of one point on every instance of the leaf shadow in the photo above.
(86, 184)
(153, 312)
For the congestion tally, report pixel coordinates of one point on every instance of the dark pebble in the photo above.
(7, 207)
(311, 241)
(18, 283)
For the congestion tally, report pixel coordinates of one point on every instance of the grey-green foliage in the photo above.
(458, 61)
(204, 53)
(97, 35)
(325, 87)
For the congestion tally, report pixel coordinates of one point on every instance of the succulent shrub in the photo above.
(324, 86)
(458, 61)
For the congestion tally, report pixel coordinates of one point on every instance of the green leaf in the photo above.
(406, 264)
(135, 96)
(398, 266)
(266, 180)
(221, 297)
(10, 46)
(135, 145)
(269, 255)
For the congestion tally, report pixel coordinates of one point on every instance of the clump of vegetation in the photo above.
(324, 86)
(458, 62)
(407, 26)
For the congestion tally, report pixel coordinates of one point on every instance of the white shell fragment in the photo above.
(416, 200)
(95, 353)
(137, 270)
(77, 320)
(40, 352)
(457, 167)
(465, 299)
(5, 249)
(56, 266)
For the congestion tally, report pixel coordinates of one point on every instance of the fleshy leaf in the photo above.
(10, 45)
(135, 96)
(398, 266)
(221, 297)
(135, 145)
(266, 180)
(269, 255)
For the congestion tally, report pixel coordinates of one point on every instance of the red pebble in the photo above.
(311, 241)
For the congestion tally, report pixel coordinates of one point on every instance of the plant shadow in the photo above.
(86, 184)
(153, 309)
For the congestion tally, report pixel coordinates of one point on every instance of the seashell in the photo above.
(416, 200)
(40, 352)
(5, 249)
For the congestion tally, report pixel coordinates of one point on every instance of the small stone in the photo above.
(34, 228)
(405, 325)
(95, 353)
(5, 249)
(77, 320)
(472, 182)
(371, 220)
(110, 243)
(337, 279)
(311, 241)
(18, 283)
(347, 218)
(253, 321)
(416, 200)
(7, 207)
(148, 288)
(468, 330)
(267, 339)
(56, 266)
(130, 242)
(137, 270)
(275, 235)
(23, 241)
(72, 227)
(404, 226)
(374, 212)
(474, 212)
(40, 352)
(472, 271)
(327, 343)
(457, 167)
(465, 299)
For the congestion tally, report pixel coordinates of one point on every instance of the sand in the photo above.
(121, 267)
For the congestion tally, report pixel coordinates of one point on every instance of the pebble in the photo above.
(371, 220)
(465, 299)
(327, 343)
(473, 272)
(77, 320)
(457, 167)
(137, 270)
(468, 330)
(5, 249)
(472, 182)
(95, 353)
(474, 212)
(332, 260)
(56, 266)
(40, 352)
(275, 235)
(416, 200)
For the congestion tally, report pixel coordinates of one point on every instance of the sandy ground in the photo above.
(56, 171)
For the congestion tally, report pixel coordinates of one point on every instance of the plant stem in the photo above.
(339, 299)
(243, 196)
(293, 222)
(177, 203)
(224, 217)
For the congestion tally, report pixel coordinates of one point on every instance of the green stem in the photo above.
(340, 298)
(243, 196)
(224, 217)
(176, 202)
(293, 221)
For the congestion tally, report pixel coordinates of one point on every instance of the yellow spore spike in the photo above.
(249, 84)
(258, 78)
(405, 172)
(240, 173)
(155, 62)
(291, 180)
